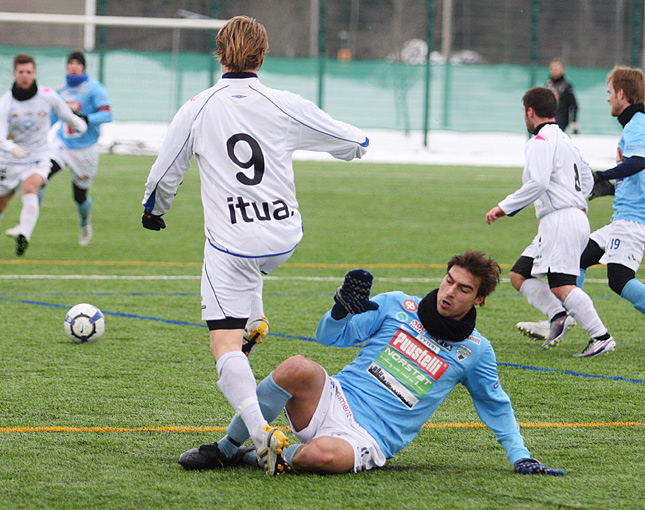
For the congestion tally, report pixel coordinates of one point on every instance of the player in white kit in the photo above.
(557, 180)
(243, 135)
(24, 153)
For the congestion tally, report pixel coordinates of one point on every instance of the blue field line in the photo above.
(570, 372)
(309, 339)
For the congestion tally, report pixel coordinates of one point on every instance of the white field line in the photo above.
(268, 278)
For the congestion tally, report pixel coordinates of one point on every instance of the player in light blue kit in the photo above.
(413, 353)
(89, 100)
(620, 244)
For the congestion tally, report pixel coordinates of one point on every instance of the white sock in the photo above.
(580, 307)
(29, 214)
(539, 296)
(238, 385)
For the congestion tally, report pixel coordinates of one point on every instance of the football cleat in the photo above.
(13, 232)
(535, 330)
(209, 456)
(559, 328)
(21, 245)
(256, 330)
(85, 234)
(270, 451)
(596, 348)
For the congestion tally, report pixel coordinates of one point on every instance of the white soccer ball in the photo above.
(84, 323)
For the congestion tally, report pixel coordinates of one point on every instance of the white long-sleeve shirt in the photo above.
(555, 175)
(26, 123)
(243, 135)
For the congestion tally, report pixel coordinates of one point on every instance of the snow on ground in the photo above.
(444, 147)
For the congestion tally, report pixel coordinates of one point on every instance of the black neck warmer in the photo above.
(537, 128)
(442, 327)
(627, 114)
(24, 94)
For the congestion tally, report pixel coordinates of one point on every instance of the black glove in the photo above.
(601, 188)
(535, 467)
(353, 296)
(152, 221)
(84, 117)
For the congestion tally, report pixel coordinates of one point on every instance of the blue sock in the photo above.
(272, 399)
(634, 292)
(84, 210)
(227, 447)
(41, 194)
(580, 281)
(288, 454)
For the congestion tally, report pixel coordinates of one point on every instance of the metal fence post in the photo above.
(426, 112)
(321, 51)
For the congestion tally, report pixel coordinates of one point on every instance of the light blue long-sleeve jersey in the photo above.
(87, 99)
(629, 202)
(402, 374)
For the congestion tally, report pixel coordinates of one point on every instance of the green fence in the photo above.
(150, 87)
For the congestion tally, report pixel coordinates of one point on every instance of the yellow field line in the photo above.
(222, 429)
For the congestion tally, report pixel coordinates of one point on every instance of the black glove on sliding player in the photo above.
(601, 188)
(152, 222)
(353, 296)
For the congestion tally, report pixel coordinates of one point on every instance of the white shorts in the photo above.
(623, 242)
(83, 163)
(334, 418)
(230, 283)
(561, 239)
(12, 176)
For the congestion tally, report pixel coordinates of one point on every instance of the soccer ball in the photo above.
(84, 323)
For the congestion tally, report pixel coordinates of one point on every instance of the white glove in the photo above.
(575, 128)
(19, 153)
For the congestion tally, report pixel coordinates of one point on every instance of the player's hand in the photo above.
(535, 467)
(353, 296)
(575, 128)
(84, 117)
(601, 188)
(19, 152)
(494, 214)
(152, 221)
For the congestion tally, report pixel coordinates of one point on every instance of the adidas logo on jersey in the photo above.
(249, 212)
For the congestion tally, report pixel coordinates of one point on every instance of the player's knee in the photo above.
(294, 370)
(516, 280)
(80, 195)
(314, 457)
(618, 276)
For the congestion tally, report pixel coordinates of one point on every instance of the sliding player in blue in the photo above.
(413, 352)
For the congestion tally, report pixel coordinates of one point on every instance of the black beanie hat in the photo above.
(76, 55)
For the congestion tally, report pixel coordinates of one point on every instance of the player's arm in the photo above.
(5, 125)
(537, 172)
(627, 167)
(102, 107)
(354, 317)
(585, 174)
(319, 132)
(65, 113)
(493, 405)
(494, 408)
(171, 164)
